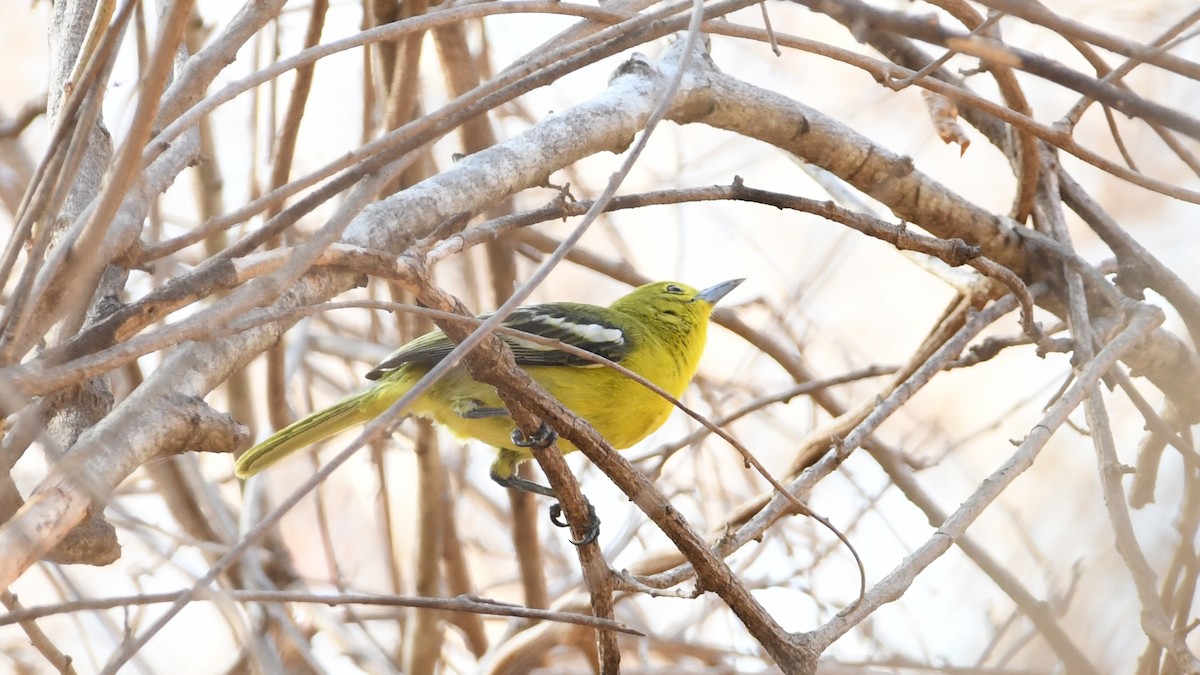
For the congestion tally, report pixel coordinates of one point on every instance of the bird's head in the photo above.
(674, 304)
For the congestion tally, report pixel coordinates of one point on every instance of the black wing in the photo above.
(587, 327)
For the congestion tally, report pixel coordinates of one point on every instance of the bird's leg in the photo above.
(474, 409)
(515, 482)
(504, 473)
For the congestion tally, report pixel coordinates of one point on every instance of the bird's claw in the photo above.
(544, 437)
(591, 532)
(556, 515)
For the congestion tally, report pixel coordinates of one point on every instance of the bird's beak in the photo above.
(714, 293)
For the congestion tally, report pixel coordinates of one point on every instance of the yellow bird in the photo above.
(657, 331)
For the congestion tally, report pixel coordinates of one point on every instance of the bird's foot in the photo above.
(543, 438)
(591, 532)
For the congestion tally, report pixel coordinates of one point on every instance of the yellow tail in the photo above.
(352, 410)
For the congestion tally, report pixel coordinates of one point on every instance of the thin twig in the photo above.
(458, 604)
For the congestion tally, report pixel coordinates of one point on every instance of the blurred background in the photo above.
(839, 302)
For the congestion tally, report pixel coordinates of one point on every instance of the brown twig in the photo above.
(989, 112)
(872, 18)
(459, 604)
(24, 117)
(1026, 161)
(38, 638)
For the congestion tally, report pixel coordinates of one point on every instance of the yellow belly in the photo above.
(623, 411)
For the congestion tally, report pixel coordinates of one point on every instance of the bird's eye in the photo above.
(672, 288)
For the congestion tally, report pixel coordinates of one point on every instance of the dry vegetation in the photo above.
(946, 424)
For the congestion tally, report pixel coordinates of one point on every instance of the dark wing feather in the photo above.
(587, 327)
(429, 348)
